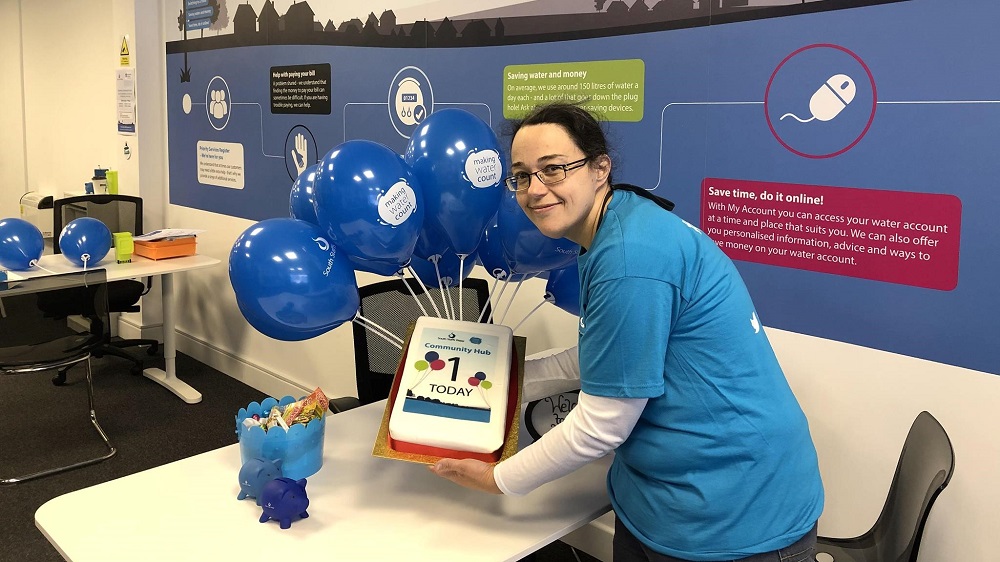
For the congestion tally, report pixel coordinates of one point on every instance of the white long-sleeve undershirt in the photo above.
(595, 427)
(551, 374)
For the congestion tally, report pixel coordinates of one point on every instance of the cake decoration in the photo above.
(454, 386)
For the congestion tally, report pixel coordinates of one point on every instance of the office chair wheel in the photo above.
(60, 378)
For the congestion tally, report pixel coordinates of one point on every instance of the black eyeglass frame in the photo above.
(511, 181)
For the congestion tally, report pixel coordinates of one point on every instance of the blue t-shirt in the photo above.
(720, 465)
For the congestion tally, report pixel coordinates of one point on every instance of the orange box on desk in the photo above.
(167, 248)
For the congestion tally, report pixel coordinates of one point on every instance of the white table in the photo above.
(137, 268)
(360, 508)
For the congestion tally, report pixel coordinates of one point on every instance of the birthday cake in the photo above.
(453, 387)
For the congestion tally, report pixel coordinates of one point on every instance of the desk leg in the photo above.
(168, 378)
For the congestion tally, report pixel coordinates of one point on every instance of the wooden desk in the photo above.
(137, 268)
(360, 508)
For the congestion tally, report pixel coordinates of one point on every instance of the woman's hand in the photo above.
(473, 474)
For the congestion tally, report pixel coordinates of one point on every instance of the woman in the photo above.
(714, 460)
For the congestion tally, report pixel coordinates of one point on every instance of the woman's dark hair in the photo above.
(581, 125)
(587, 133)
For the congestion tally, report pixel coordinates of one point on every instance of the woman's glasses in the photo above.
(553, 173)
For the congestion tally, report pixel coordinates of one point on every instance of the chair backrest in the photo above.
(924, 469)
(35, 333)
(391, 305)
(121, 213)
(542, 415)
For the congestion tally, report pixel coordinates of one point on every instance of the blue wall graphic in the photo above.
(905, 110)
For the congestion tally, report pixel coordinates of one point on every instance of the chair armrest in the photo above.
(343, 404)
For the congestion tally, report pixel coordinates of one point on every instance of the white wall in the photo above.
(12, 169)
(69, 84)
(860, 402)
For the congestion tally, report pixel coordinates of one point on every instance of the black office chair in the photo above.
(542, 415)
(390, 305)
(121, 213)
(924, 469)
(35, 337)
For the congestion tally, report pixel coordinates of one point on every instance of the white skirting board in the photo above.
(269, 383)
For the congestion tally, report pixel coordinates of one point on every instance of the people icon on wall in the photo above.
(218, 108)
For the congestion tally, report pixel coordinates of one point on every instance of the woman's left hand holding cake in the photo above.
(470, 473)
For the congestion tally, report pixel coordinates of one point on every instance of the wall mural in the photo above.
(839, 154)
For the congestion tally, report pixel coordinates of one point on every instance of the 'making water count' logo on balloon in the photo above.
(397, 203)
(483, 168)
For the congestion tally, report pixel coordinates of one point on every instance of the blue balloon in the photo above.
(431, 241)
(525, 248)
(564, 288)
(369, 203)
(21, 244)
(85, 241)
(449, 267)
(490, 253)
(291, 283)
(386, 268)
(302, 198)
(458, 161)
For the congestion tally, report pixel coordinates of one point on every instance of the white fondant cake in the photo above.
(454, 386)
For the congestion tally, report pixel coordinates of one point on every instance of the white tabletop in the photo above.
(361, 508)
(138, 267)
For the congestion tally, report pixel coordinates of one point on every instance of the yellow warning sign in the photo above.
(124, 56)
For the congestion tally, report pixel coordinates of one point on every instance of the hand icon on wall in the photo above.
(300, 154)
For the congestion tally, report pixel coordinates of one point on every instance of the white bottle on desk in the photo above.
(100, 180)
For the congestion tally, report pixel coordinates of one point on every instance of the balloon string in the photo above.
(379, 330)
(461, 293)
(423, 375)
(444, 302)
(516, 289)
(415, 299)
(372, 324)
(488, 298)
(548, 298)
(34, 263)
(429, 297)
(451, 302)
(86, 259)
(482, 394)
(506, 282)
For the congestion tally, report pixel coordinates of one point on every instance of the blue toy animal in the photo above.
(254, 474)
(283, 499)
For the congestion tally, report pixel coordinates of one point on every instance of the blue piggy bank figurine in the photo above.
(283, 499)
(254, 474)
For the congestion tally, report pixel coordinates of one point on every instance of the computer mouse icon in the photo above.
(829, 99)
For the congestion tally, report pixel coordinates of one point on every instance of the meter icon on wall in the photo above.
(410, 100)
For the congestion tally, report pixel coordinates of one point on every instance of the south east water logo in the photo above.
(452, 338)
